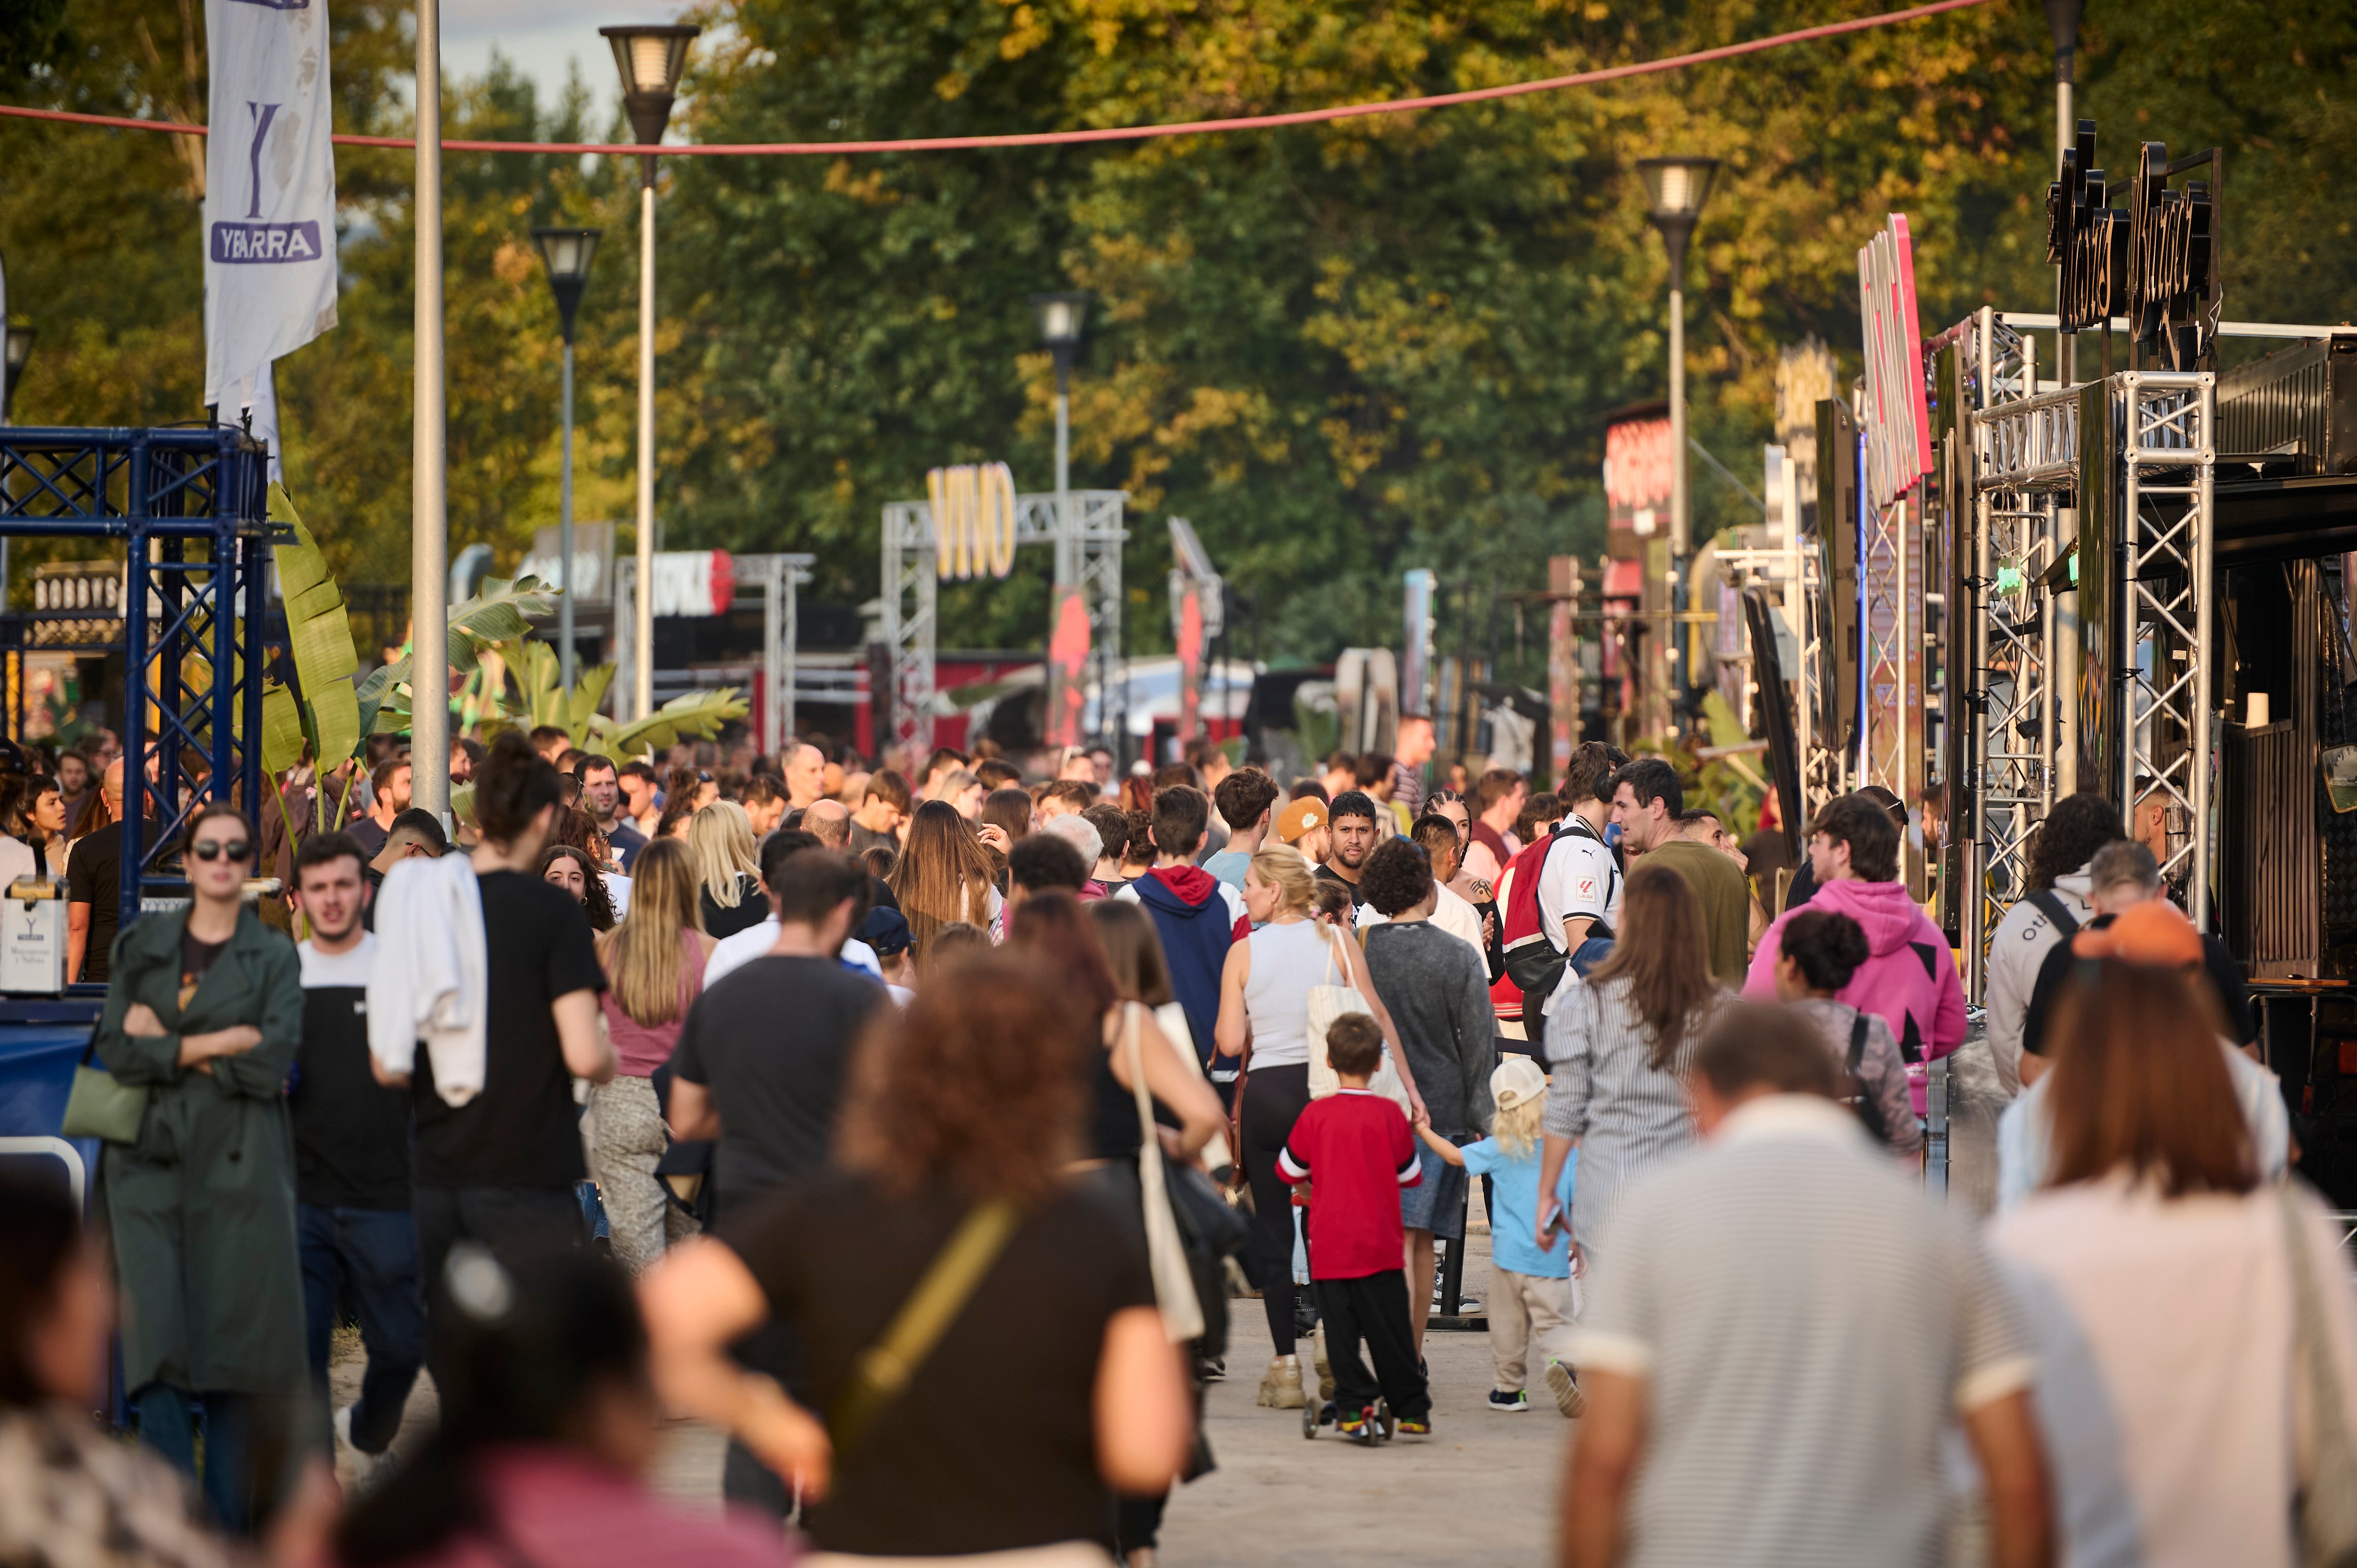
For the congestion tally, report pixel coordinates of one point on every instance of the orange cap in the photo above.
(2153, 933)
(1297, 819)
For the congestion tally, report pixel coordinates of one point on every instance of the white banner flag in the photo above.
(270, 191)
(261, 395)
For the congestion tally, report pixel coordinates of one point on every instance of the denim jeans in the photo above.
(369, 1258)
(166, 1424)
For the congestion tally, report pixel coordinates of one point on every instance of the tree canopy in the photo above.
(1343, 351)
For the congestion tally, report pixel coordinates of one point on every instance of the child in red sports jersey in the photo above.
(1357, 1149)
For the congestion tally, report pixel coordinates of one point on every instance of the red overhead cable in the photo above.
(1110, 134)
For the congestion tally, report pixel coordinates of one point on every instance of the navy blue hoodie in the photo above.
(1191, 917)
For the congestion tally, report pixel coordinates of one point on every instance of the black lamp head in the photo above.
(1675, 189)
(19, 349)
(1063, 318)
(651, 60)
(568, 253)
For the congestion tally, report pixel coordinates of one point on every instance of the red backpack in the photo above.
(1534, 964)
(1517, 928)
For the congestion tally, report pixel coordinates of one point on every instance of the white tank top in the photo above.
(1287, 961)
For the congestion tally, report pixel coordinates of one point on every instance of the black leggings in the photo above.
(1273, 1100)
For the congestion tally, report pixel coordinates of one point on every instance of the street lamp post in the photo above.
(19, 349)
(1675, 189)
(568, 253)
(2063, 21)
(651, 59)
(429, 509)
(1063, 317)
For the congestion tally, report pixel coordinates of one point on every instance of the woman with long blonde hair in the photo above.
(727, 869)
(654, 969)
(943, 875)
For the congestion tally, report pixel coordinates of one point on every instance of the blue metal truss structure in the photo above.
(189, 504)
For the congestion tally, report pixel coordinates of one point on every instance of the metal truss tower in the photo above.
(2141, 557)
(190, 507)
(910, 594)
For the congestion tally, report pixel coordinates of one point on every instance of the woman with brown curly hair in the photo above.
(568, 867)
(1048, 1385)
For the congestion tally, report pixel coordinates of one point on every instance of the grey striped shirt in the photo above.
(1626, 1114)
(1807, 1323)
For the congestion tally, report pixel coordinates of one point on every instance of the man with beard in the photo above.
(601, 797)
(1351, 820)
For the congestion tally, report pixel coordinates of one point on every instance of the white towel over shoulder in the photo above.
(431, 980)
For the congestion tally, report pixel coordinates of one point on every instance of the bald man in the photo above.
(805, 778)
(94, 885)
(829, 822)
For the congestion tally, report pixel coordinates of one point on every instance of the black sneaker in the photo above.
(1514, 1403)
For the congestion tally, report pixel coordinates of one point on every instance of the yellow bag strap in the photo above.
(884, 1369)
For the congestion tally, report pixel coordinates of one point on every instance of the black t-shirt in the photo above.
(94, 877)
(523, 1129)
(770, 1042)
(838, 1258)
(369, 835)
(1358, 898)
(752, 908)
(196, 963)
(2224, 974)
(352, 1133)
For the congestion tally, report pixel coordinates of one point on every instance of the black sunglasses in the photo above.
(215, 849)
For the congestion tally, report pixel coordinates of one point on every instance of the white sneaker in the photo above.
(367, 1469)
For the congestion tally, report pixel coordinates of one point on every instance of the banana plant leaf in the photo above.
(319, 632)
(282, 728)
(494, 615)
(696, 716)
(544, 700)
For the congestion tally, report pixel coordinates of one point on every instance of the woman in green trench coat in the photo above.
(204, 1008)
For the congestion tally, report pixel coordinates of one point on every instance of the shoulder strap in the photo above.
(1857, 1028)
(2048, 903)
(883, 1369)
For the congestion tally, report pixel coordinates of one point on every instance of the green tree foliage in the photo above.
(1343, 351)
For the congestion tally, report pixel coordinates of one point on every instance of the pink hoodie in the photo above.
(1910, 981)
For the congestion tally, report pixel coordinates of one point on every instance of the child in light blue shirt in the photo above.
(1533, 1299)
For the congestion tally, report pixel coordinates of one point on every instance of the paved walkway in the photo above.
(1480, 1489)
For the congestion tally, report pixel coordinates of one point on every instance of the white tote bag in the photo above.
(1173, 1019)
(1327, 1002)
(1174, 1280)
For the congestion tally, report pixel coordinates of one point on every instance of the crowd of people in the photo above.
(916, 1125)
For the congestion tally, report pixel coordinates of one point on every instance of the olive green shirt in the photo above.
(1717, 881)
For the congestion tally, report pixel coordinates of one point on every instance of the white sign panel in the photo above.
(33, 945)
(693, 582)
(270, 191)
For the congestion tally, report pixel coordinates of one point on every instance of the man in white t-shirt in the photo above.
(1579, 883)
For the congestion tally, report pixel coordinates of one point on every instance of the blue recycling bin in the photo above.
(41, 1043)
